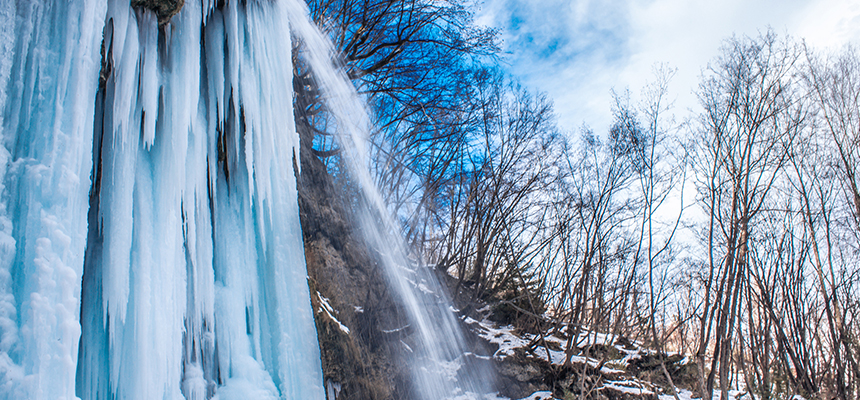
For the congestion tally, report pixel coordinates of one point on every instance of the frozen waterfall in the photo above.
(150, 244)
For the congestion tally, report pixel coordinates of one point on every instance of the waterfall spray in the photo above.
(437, 364)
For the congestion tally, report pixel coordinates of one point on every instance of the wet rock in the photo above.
(366, 363)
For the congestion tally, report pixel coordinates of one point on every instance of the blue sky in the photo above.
(579, 50)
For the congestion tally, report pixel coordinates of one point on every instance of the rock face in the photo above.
(518, 376)
(164, 9)
(602, 366)
(357, 319)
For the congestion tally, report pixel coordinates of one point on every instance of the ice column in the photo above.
(195, 282)
(49, 65)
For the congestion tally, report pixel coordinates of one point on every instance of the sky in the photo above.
(578, 51)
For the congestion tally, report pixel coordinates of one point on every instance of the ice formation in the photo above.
(150, 244)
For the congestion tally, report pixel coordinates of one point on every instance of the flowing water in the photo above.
(438, 363)
(150, 244)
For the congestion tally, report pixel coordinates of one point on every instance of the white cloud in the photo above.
(556, 45)
(577, 51)
(831, 23)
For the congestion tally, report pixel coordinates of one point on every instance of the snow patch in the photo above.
(330, 312)
(629, 387)
(543, 395)
(503, 337)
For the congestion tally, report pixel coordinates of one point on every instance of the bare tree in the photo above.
(751, 117)
(661, 173)
(834, 86)
(494, 224)
(596, 249)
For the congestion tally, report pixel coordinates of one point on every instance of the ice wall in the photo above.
(150, 245)
(49, 65)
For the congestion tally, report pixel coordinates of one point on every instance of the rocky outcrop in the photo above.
(601, 366)
(164, 9)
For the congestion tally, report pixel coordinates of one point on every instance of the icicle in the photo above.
(201, 274)
(149, 77)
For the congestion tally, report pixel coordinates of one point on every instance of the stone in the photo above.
(164, 9)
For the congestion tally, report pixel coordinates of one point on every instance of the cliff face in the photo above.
(356, 317)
